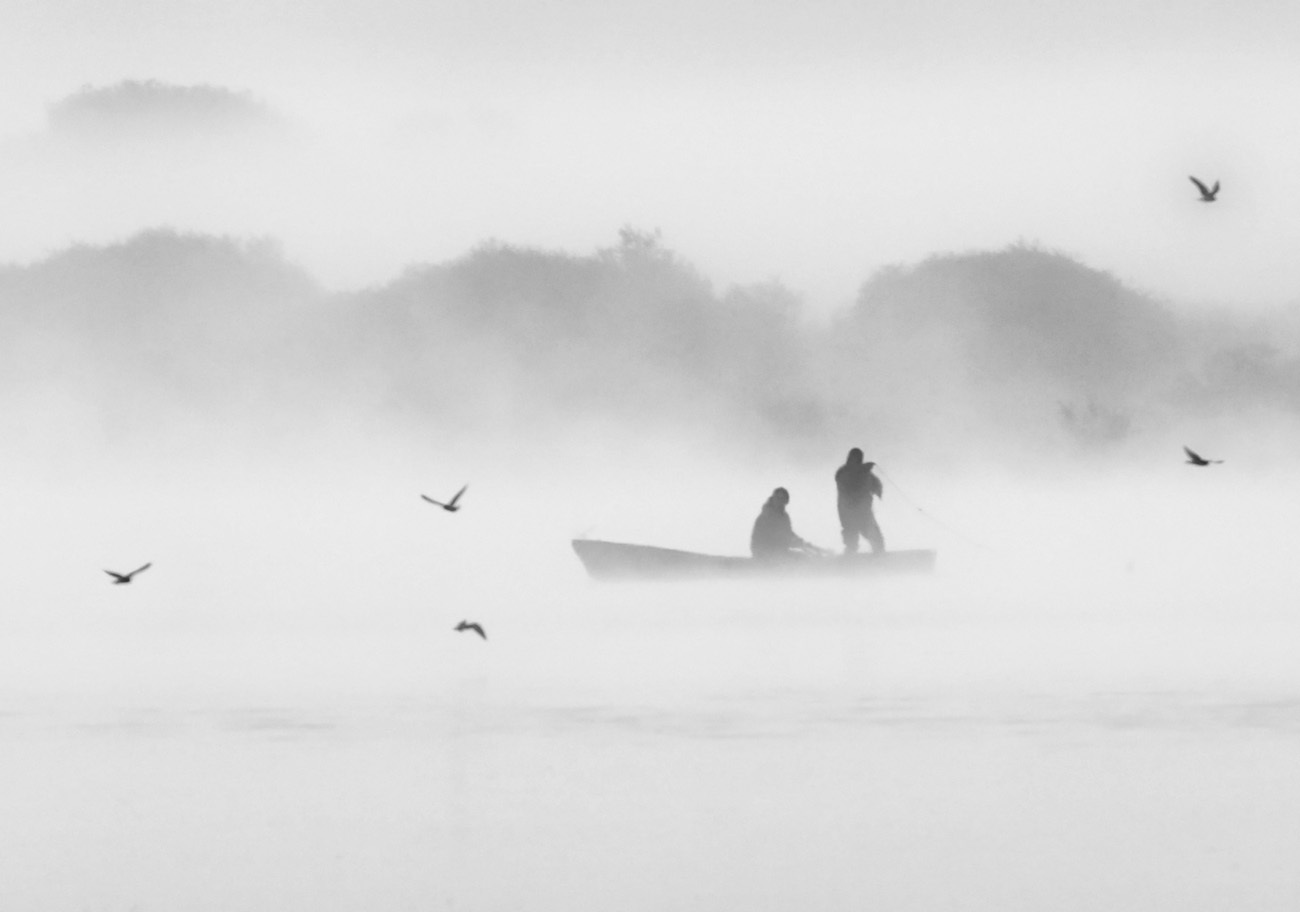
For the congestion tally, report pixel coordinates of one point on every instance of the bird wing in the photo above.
(1205, 191)
(452, 502)
(432, 501)
(139, 569)
(116, 576)
(1216, 188)
(469, 625)
(1191, 455)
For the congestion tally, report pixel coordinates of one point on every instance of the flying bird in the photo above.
(450, 506)
(1196, 460)
(1207, 194)
(467, 625)
(120, 578)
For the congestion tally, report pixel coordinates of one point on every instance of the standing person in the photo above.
(855, 485)
(773, 537)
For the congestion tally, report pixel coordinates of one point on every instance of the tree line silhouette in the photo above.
(1020, 345)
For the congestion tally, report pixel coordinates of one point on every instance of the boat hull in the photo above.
(619, 561)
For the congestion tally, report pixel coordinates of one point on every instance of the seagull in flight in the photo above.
(468, 625)
(1196, 460)
(1207, 193)
(120, 578)
(450, 506)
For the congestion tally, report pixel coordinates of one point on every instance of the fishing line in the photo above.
(927, 514)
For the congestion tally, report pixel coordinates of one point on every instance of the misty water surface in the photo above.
(1094, 702)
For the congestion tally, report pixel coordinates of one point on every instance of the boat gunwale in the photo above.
(607, 560)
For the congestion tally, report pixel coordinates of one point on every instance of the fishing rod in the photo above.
(934, 519)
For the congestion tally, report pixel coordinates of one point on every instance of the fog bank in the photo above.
(1002, 357)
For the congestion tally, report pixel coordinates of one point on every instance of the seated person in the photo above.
(773, 537)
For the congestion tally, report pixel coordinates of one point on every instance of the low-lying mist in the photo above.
(279, 714)
(1008, 358)
(318, 571)
(1092, 701)
(200, 403)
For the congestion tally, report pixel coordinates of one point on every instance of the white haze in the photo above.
(1093, 702)
(815, 187)
(249, 313)
(814, 145)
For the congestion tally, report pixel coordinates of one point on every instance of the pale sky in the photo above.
(813, 143)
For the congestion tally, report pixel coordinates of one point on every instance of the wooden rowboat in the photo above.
(618, 561)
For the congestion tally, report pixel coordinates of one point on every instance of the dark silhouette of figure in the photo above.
(470, 625)
(122, 578)
(855, 485)
(773, 537)
(1196, 460)
(450, 506)
(1207, 193)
